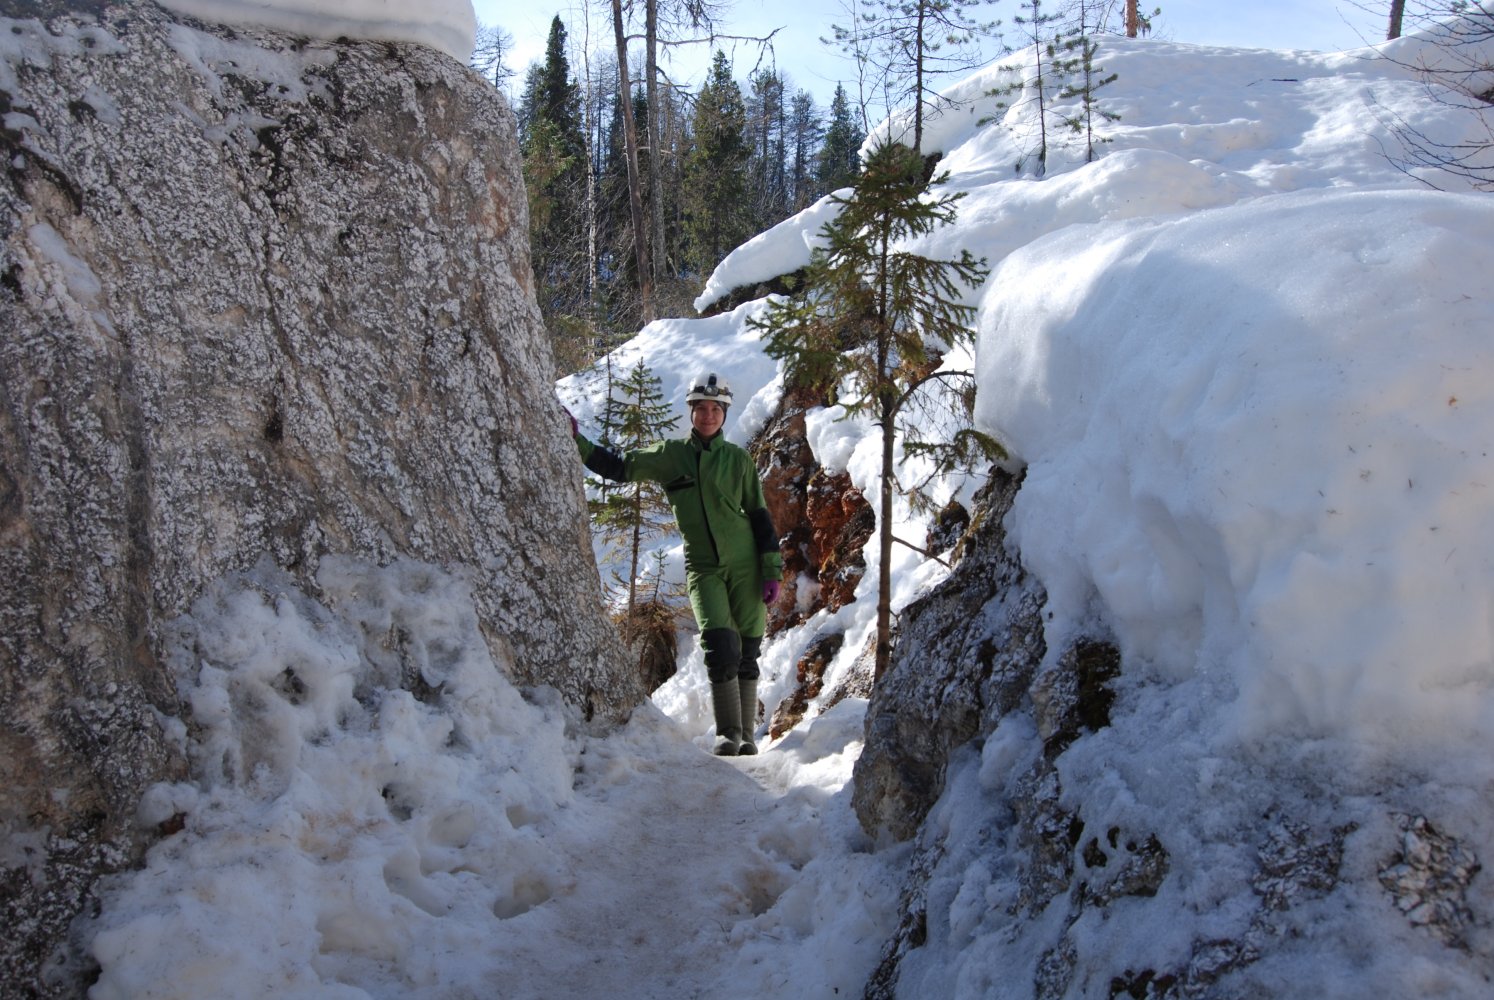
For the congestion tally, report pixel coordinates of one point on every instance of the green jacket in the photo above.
(714, 491)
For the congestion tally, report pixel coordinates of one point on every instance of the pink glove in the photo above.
(770, 591)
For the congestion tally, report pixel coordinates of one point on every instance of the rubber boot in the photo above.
(727, 707)
(747, 695)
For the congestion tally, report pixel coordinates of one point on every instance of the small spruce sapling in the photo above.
(1041, 86)
(636, 414)
(1084, 81)
(875, 318)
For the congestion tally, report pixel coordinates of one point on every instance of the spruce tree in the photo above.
(555, 171)
(806, 131)
(1084, 81)
(636, 414)
(875, 318)
(840, 156)
(557, 98)
(528, 101)
(1035, 24)
(767, 125)
(1044, 83)
(715, 181)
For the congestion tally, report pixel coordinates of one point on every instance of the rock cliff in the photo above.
(825, 522)
(965, 656)
(1040, 869)
(260, 298)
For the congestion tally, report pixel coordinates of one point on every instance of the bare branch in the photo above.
(1457, 73)
(713, 39)
(922, 551)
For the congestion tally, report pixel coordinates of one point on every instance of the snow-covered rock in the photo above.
(445, 25)
(965, 656)
(261, 299)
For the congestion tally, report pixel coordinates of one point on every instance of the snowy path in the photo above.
(469, 848)
(677, 850)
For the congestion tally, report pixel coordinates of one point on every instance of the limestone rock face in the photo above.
(823, 518)
(824, 522)
(965, 655)
(260, 298)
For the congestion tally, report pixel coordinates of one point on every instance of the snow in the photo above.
(456, 837)
(449, 26)
(214, 57)
(678, 351)
(781, 250)
(1236, 522)
(1243, 360)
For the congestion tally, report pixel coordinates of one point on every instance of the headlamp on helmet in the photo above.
(709, 386)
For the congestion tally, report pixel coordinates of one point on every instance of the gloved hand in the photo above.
(572, 419)
(770, 591)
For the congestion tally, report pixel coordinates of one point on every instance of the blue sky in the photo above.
(1273, 24)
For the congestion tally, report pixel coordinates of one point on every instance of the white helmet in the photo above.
(709, 386)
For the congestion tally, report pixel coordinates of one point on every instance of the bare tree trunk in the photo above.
(589, 116)
(886, 410)
(630, 145)
(884, 544)
(1133, 22)
(918, 83)
(655, 142)
(1397, 12)
(1042, 103)
(633, 566)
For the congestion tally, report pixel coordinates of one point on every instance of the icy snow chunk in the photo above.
(781, 250)
(282, 73)
(337, 822)
(833, 437)
(449, 26)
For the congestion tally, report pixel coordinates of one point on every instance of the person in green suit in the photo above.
(733, 567)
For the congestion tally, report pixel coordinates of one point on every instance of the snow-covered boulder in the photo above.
(966, 654)
(261, 299)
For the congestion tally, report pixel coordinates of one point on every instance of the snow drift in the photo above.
(1272, 469)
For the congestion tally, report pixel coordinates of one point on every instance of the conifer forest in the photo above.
(714, 165)
(697, 168)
